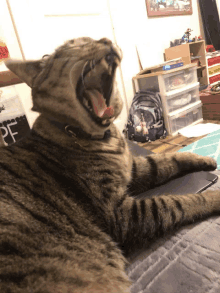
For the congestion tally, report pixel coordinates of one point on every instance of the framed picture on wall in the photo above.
(168, 7)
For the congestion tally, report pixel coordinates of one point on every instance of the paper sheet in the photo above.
(199, 130)
(155, 57)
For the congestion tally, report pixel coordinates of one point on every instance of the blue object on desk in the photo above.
(172, 66)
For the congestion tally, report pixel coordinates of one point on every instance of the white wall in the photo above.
(150, 35)
(44, 24)
(131, 27)
(218, 5)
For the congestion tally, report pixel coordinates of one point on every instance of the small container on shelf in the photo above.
(182, 119)
(196, 59)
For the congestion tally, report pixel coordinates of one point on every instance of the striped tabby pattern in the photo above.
(67, 215)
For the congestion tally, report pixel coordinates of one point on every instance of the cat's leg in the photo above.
(137, 221)
(83, 264)
(154, 170)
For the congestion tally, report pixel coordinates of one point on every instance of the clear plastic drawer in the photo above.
(180, 100)
(180, 79)
(185, 118)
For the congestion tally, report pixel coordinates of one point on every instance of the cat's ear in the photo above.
(25, 70)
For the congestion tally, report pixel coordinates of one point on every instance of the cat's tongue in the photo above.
(99, 105)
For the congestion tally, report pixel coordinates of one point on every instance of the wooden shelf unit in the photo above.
(184, 51)
(213, 63)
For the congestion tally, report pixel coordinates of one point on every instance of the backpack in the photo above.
(145, 120)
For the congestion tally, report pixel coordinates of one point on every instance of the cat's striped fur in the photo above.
(66, 211)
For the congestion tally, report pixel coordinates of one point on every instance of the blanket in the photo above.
(182, 262)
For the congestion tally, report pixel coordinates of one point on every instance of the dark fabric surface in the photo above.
(185, 261)
(211, 24)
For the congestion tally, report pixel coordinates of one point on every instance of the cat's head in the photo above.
(75, 84)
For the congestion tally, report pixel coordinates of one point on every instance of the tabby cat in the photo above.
(68, 217)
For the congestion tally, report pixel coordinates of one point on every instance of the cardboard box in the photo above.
(211, 106)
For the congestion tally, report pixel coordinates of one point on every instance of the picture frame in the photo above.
(156, 8)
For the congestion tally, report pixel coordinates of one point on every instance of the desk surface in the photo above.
(162, 147)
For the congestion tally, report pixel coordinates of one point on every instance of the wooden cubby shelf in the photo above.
(184, 51)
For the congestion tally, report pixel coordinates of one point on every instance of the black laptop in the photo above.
(191, 183)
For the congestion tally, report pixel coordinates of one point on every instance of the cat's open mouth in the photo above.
(95, 95)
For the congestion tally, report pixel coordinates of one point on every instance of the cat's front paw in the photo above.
(207, 163)
(195, 162)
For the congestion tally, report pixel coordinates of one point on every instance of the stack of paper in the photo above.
(199, 130)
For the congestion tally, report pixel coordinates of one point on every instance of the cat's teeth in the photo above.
(86, 103)
(104, 121)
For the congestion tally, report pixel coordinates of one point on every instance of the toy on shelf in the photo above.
(176, 42)
(216, 87)
(185, 39)
(186, 36)
(210, 48)
(195, 59)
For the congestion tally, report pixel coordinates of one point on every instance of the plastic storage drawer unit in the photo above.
(176, 101)
(180, 79)
(182, 119)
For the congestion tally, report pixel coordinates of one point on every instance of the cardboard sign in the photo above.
(13, 120)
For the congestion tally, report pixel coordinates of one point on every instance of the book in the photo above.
(159, 67)
(172, 66)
